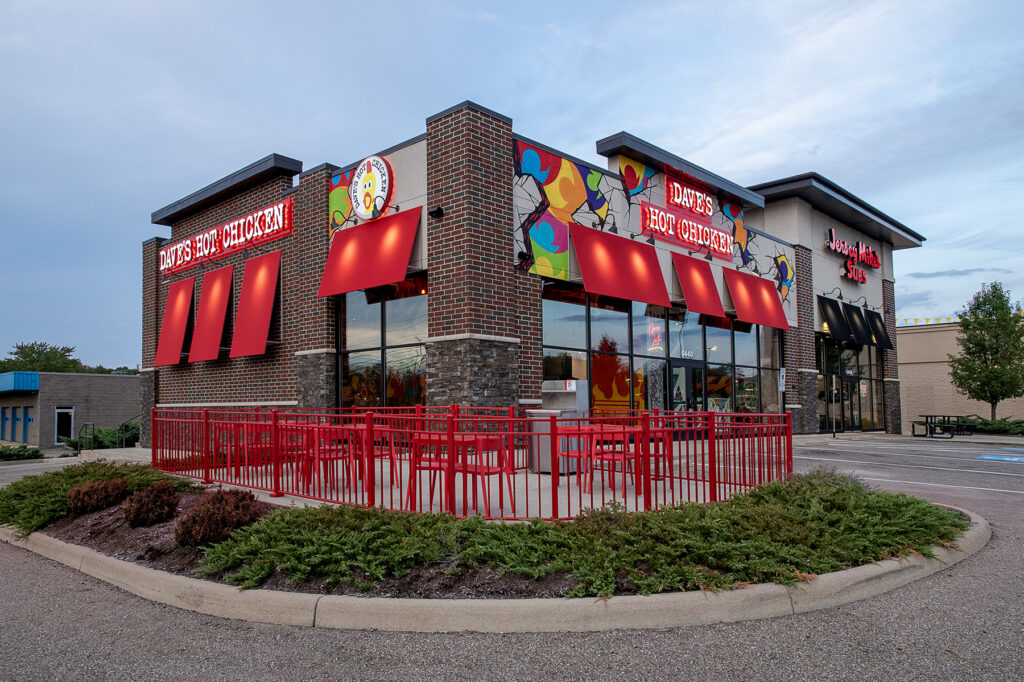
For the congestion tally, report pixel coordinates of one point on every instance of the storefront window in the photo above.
(406, 321)
(747, 394)
(718, 339)
(648, 329)
(564, 316)
(561, 365)
(719, 388)
(362, 322)
(609, 325)
(407, 376)
(771, 350)
(877, 404)
(770, 390)
(385, 360)
(745, 341)
(648, 384)
(610, 381)
(686, 337)
(362, 373)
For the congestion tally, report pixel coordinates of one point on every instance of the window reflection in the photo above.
(561, 365)
(609, 319)
(362, 321)
(686, 339)
(720, 388)
(745, 342)
(564, 316)
(361, 385)
(747, 394)
(718, 339)
(648, 329)
(406, 321)
(407, 376)
(610, 377)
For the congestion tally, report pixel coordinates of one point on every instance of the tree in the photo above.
(990, 365)
(40, 356)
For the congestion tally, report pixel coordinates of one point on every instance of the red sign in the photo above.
(259, 227)
(697, 204)
(685, 228)
(855, 253)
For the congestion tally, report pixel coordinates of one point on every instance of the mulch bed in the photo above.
(107, 532)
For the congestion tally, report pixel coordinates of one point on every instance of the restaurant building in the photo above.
(472, 265)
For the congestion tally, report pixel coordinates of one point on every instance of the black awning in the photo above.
(878, 329)
(861, 333)
(834, 318)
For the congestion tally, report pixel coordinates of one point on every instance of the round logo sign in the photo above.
(370, 189)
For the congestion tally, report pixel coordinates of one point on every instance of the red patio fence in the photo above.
(500, 463)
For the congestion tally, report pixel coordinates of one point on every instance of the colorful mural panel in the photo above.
(550, 192)
(339, 203)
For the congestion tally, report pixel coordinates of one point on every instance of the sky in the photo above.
(112, 110)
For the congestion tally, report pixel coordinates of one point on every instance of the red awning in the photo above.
(256, 305)
(213, 307)
(371, 254)
(756, 299)
(698, 284)
(620, 267)
(177, 315)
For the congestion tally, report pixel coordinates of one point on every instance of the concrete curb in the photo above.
(504, 615)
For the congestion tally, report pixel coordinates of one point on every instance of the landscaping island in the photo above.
(781, 532)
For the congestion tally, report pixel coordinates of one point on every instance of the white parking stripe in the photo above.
(908, 466)
(967, 457)
(942, 485)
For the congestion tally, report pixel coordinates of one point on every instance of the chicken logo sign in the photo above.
(371, 188)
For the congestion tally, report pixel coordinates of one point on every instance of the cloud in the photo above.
(957, 273)
(913, 298)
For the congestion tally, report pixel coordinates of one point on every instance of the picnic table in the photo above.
(942, 426)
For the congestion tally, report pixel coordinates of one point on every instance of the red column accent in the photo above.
(204, 435)
(449, 472)
(556, 468)
(275, 456)
(712, 458)
(370, 485)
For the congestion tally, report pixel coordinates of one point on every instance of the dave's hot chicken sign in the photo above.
(258, 227)
(686, 219)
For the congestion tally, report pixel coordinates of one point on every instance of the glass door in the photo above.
(686, 387)
(851, 404)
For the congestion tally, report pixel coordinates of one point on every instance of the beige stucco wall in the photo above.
(925, 386)
(410, 166)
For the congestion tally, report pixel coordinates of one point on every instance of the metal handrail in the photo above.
(120, 427)
(92, 436)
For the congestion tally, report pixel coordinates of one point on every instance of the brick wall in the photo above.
(890, 363)
(474, 289)
(108, 400)
(800, 363)
(306, 322)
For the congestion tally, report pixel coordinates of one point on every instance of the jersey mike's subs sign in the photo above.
(258, 227)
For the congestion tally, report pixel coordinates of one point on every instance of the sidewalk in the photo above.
(977, 439)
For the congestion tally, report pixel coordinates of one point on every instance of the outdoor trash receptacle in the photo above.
(538, 449)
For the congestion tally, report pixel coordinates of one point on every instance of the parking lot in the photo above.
(966, 622)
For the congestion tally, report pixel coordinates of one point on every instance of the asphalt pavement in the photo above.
(966, 622)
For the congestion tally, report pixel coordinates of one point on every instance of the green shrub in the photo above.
(36, 501)
(95, 495)
(151, 505)
(103, 438)
(1006, 425)
(780, 532)
(10, 453)
(213, 519)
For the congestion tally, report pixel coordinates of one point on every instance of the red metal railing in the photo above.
(495, 462)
